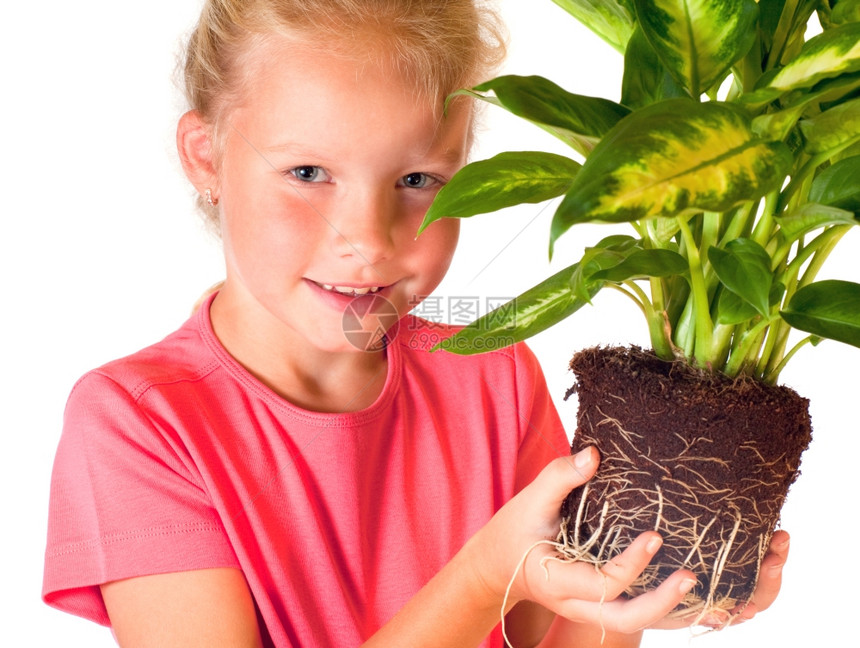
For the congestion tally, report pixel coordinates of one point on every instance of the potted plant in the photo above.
(733, 163)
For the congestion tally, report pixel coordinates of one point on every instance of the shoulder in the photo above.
(182, 356)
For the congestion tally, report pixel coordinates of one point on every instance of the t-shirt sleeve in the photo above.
(542, 436)
(126, 501)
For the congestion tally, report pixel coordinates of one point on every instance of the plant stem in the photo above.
(711, 222)
(764, 228)
(699, 296)
(738, 223)
(637, 295)
(797, 180)
(783, 29)
(823, 244)
(723, 334)
(749, 341)
(773, 375)
(817, 250)
(657, 329)
(767, 356)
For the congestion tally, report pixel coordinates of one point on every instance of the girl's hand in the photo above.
(573, 590)
(766, 590)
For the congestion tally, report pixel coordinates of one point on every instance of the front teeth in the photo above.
(347, 290)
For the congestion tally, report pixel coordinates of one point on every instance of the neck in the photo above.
(310, 378)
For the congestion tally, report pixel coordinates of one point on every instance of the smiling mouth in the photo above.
(350, 291)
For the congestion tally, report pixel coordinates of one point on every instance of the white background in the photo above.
(102, 253)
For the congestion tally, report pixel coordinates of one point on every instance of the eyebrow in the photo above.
(288, 148)
(447, 156)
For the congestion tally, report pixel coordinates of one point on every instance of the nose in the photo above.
(364, 228)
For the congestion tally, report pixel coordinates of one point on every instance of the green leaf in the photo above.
(612, 20)
(782, 26)
(646, 80)
(643, 264)
(673, 158)
(847, 11)
(609, 252)
(777, 125)
(833, 129)
(812, 216)
(832, 53)
(502, 181)
(783, 19)
(839, 185)
(699, 40)
(535, 310)
(828, 309)
(733, 310)
(744, 267)
(577, 120)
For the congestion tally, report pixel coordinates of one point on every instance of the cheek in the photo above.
(437, 251)
(268, 231)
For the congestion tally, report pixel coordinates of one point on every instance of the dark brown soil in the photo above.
(705, 460)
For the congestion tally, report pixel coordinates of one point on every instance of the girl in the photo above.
(275, 473)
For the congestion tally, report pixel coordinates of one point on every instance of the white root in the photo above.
(514, 578)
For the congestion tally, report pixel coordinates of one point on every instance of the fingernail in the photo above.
(686, 585)
(654, 544)
(582, 459)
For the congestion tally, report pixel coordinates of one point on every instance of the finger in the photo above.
(630, 615)
(565, 580)
(622, 570)
(770, 574)
(767, 587)
(564, 474)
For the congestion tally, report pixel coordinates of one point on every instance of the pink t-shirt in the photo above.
(176, 458)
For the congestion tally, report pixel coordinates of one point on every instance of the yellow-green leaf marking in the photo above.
(830, 54)
(674, 157)
(612, 20)
(698, 40)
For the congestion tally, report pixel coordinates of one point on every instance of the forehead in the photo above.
(297, 87)
(366, 56)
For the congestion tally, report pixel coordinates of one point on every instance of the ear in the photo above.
(194, 143)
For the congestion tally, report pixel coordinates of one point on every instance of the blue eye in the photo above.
(309, 173)
(416, 180)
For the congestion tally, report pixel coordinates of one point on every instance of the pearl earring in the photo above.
(209, 199)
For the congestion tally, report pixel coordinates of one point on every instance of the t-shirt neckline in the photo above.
(250, 382)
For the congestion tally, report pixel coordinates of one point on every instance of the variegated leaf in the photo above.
(699, 40)
(830, 54)
(612, 20)
(577, 120)
(508, 179)
(832, 130)
(535, 310)
(847, 11)
(782, 26)
(669, 159)
(646, 80)
(777, 125)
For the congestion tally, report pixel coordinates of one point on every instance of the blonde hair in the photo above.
(439, 45)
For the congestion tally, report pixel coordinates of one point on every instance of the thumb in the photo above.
(562, 475)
